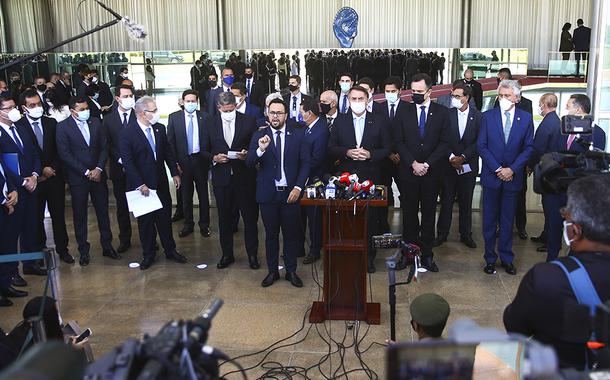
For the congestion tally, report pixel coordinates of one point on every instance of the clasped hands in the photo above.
(420, 169)
(358, 154)
(505, 174)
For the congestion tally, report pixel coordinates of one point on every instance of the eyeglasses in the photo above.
(276, 113)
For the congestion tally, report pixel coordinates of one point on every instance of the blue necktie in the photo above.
(278, 148)
(38, 133)
(151, 141)
(16, 138)
(248, 88)
(85, 133)
(294, 106)
(422, 121)
(189, 135)
(344, 106)
(392, 111)
(507, 126)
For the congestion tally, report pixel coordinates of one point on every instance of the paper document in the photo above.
(140, 205)
(232, 154)
(465, 169)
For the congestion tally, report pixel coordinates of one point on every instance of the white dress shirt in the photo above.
(242, 108)
(121, 112)
(359, 127)
(187, 119)
(294, 113)
(389, 105)
(462, 120)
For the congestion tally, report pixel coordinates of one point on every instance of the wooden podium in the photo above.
(345, 258)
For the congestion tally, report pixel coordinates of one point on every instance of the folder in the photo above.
(11, 162)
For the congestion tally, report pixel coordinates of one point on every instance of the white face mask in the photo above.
(36, 112)
(358, 108)
(155, 118)
(391, 97)
(14, 115)
(456, 103)
(505, 104)
(128, 103)
(566, 238)
(345, 86)
(227, 116)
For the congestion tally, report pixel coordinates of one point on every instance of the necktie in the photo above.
(124, 119)
(278, 148)
(344, 106)
(151, 141)
(392, 111)
(38, 133)
(248, 88)
(507, 126)
(189, 135)
(228, 89)
(571, 139)
(294, 106)
(228, 133)
(16, 138)
(422, 121)
(85, 133)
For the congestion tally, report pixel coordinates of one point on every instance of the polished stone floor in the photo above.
(118, 302)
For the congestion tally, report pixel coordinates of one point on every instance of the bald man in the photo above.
(328, 106)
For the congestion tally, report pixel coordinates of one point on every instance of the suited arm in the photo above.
(472, 150)
(65, 153)
(37, 164)
(126, 155)
(400, 144)
(386, 144)
(171, 136)
(541, 141)
(113, 151)
(528, 149)
(318, 154)
(103, 157)
(170, 158)
(206, 144)
(304, 164)
(334, 150)
(252, 158)
(488, 158)
(442, 148)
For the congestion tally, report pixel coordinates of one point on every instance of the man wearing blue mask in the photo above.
(81, 145)
(228, 77)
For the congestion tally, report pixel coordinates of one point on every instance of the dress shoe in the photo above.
(538, 239)
(440, 240)
(542, 248)
(205, 231)
(177, 216)
(112, 254)
(18, 281)
(310, 259)
(253, 262)
(175, 256)
(509, 268)
(429, 265)
(84, 260)
(294, 279)
(147, 263)
(35, 270)
(12, 292)
(270, 279)
(5, 302)
(66, 257)
(225, 261)
(468, 242)
(186, 231)
(522, 234)
(123, 247)
(490, 268)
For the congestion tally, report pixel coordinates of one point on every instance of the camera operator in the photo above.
(580, 105)
(546, 294)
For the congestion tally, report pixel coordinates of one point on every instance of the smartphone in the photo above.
(84, 335)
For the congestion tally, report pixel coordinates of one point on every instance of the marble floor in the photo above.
(118, 302)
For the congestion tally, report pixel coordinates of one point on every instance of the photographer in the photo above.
(545, 293)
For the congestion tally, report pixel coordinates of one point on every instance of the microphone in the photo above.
(353, 178)
(364, 189)
(345, 178)
(134, 31)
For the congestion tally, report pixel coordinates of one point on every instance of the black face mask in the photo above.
(325, 108)
(418, 98)
(292, 88)
(41, 87)
(212, 83)
(248, 76)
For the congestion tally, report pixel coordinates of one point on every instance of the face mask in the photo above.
(14, 115)
(505, 104)
(345, 86)
(566, 238)
(128, 103)
(95, 96)
(199, 66)
(124, 75)
(417, 98)
(227, 116)
(358, 108)
(36, 112)
(248, 76)
(229, 80)
(155, 118)
(41, 87)
(212, 83)
(540, 111)
(94, 79)
(190, 107)
(456, 103)
(325, 108)
(391, 97)
(292, 87)
(83, 115)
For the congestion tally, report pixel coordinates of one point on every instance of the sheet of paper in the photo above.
(232, 154)
(140, 205)
(465, 169)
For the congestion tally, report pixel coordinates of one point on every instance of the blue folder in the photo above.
(11, 162)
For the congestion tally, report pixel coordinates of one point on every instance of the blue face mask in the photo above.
(84, 115)
(190, 107)
(228, 80)
(95, 96)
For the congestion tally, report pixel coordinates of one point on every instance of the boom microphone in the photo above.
(135, 31)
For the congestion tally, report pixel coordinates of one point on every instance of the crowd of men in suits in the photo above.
(261, 153)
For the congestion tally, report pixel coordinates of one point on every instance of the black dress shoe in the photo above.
(490, 268)
(371, 268)
(310, 259)
(35, 270)
(186, 231)
(468, 242)
(112, 254)
(5, 302)
(538, 239)
(177, 216)
(522, 234)
(440, 240)
(18, 281)
(13, 293)
(253, 262)
(84, 260)
(66, 257)
(542, 248)
(429, 265)
(175, 256)
(294, 279)
(205, 231)
(270, 279)
(123, 247)
(225, 262)
(147, 263)
(509, 268)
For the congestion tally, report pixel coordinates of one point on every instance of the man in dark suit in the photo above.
(461, 166)
(228, 77)
(233, 181)
(64, 87)
(51, 185)
(361, 141)
(8, 243)
(114, 122)
(294, 98)
(582, 42)
(81, 145)
(15, 141)
(282, 155)
(475, 87)
(316, 134)
(505, 145)
(145, 151)
(346, 80)
(197, 74)
(121, 76)
(239, 91)
(185, 137)
(422, 141)
(254, 90)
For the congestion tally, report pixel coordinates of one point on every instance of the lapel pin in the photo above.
(518, 119)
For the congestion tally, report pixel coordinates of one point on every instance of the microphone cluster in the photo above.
(344, 186)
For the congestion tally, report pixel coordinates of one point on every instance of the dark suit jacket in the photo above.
(546, 138)
(211, 103)
(257, 94)
(76, 155)
(139, 162)
(7, 179)
(64, 92)
(29, 159)
(496, 153)
(433, 148)
(525, 104)
(48, 155)
(112, 125)
(214, 143)
(582, 38)
(288, 100)
(376, 139)
(176, 134)
(477, 92)
(296, 161)
(318, 137)
(254, 111)
(467, 145)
